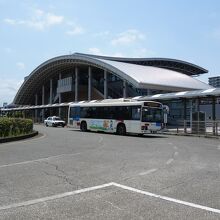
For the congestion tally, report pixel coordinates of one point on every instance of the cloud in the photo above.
(75, 30)
(143, 52)
(127, 37)
(10, 21)
(101, 34)
(8, 89)
(20, 65)
(97, 51)
(39, 20)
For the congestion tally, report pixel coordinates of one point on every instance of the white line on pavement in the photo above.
(100, 140)
(89, 189)
(58, 196)
(170, 161)
(176, 153)
(37, 160)
(168, 198)
(148, 172)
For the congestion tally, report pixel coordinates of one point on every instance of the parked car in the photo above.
(54, 121)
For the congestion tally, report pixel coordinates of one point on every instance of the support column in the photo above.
(76, 84)
(105, 85)
(214, 129)
(198, 104)
(184, 115)
(43, 97)
(60, 76)
(89, 83)
(36, 100)
(191, 110)
(213, 108)
(124, 89)
(51, 91)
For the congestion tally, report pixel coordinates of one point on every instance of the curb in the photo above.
(17, 138)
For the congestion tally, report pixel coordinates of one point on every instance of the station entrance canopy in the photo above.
(214, 92)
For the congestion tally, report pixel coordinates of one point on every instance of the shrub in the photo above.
(15, 126)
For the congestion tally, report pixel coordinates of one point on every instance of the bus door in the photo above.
(135, 123)
(75, 116)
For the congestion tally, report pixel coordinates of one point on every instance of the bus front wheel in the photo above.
(121, 129)
(83, 126)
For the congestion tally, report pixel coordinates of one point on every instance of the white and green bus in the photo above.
(119, 116)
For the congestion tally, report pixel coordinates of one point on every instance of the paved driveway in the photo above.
(67, 174)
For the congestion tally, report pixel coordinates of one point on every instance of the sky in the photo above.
(32, 32)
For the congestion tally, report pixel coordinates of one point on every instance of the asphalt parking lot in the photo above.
(67, 174)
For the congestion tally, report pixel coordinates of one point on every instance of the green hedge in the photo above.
(15, 126)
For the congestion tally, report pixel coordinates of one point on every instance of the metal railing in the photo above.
(208, 127)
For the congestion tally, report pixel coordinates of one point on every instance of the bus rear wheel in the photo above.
(121, 129)
(83, 126)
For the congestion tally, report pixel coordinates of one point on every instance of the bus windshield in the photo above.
(152, 115)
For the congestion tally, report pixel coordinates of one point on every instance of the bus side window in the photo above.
(83, 112)
(111, 112)
(100, 112)
(127, 112)
(118, 113)
(136, 113)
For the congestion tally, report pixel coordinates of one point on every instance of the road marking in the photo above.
(170, 161)
(89, 189)
(58, 196)
(147, 172)
(100, 140)
(168, 198)
(175, 147)
(37, 160)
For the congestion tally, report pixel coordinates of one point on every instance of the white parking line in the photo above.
(176, 153)
(62, 195)
(148, 172)
(37, 160)
(58, 196)
(168, 198)
(170, 161)
(100, 140)
(175, 147)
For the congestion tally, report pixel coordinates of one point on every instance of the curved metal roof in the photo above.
(166, 63)
(157, 78)
(138, 75)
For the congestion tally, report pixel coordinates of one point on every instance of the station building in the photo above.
(86, 77)
(72, 78)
